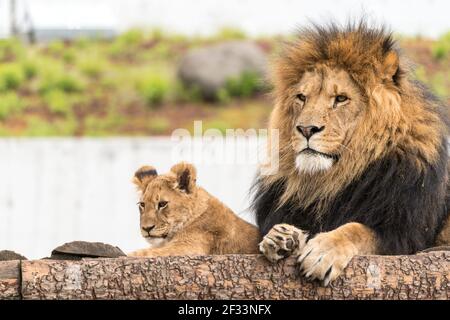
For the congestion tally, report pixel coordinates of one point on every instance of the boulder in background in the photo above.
(209, 68)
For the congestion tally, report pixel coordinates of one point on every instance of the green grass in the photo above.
(440, 84)
(56, 48)
(441, 49)
(127, 44)
(10, 49)
(59, 102)
(244, 86)
(230, 33)
(223, 96)
(184, 94)
(11, 76)
(63, 81)
(102, 126)
(158, 125)
(154, 89)
(420, 73)
(92, 67)
(36, 127)
(218, 124)
(30, 68)
(10, 104)
(128, 85)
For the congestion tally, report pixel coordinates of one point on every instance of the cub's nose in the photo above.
(148, 229)
(309, 131)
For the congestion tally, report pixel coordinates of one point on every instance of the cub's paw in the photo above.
(325, 256)
(282, 241)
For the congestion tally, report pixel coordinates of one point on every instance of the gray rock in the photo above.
(209, 68)
(77, 250)
(6, 255)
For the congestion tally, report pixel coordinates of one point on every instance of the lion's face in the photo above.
(327, 105)
(167, 201)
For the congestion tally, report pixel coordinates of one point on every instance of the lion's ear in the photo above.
(186, 176)
(143, 176)
(391, 65)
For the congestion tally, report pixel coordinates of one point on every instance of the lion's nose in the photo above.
(309, 131)
(148, 229)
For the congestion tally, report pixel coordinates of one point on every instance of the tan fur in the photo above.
(385, 114)
(335, 249)
(327, 249)
(193, 222)
(377, 112)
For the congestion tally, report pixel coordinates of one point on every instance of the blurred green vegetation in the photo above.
(230, 33)
(10, 104)
(244, 86)
(154, 88)
(10, 49)
(128, 85)
(159, 125)
(441, 49)
(12, 75)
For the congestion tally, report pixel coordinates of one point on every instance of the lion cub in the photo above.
(180, 218)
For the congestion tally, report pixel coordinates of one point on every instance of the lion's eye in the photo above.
(141, 205)
(162, 204)
(341, 98)
(301, 97)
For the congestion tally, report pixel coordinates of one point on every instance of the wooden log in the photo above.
(422, 276)
(10, 279)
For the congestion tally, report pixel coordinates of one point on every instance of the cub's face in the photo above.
(167, 201)
(327, 105)
(163, 209)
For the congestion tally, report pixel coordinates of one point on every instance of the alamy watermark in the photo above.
(235, 146)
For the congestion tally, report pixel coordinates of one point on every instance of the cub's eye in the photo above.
(141, 205)
(301, 97)
(162, 204)
(340, 98)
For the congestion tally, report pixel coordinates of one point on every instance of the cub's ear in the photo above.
(391, 65)
(143, 176)
(186, 176)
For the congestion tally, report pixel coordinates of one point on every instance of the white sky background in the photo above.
(256, 17)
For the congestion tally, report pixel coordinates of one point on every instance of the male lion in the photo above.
(178, 217)
(363, 156)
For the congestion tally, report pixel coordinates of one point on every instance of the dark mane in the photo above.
(402, 194)
(401, 204)
(356, 47)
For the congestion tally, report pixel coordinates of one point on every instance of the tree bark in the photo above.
(422, 276)
(10, 279)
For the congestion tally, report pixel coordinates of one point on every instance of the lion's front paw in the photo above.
(325, 256)
(282, 241)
